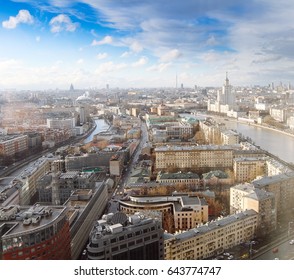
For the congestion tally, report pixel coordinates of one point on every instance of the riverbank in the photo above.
(266, 127)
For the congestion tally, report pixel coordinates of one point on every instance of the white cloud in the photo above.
(171, 55)
(106, 40)
(109, 67)
(125, 54)
(101, 55)
(142, 61)
(136, 47)
(38, 39)
(159, 67)
(62, 23)
(80, 61)
(23, 16)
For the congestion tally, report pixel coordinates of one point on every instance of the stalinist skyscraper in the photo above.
(225, 99)
(226, 96)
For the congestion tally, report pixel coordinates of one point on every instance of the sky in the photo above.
(145, 43)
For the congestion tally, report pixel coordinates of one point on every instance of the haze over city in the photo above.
(51, 44)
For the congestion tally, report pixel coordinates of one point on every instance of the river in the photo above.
(275, 142)
(101, 125)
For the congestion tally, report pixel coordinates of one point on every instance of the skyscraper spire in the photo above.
(227, 79)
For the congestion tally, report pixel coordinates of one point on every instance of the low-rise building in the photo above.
(187, 211)
(188, 179)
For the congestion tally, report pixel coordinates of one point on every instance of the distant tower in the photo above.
(226, 96)
(71, 87)
(107, 86)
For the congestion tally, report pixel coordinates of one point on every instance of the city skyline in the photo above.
(140, 44)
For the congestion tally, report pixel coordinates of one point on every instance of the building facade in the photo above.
(187, 211)
(11, 145)
(121, 237)
(246, 196)
(193, 157)
(36, 232)
(211, 239)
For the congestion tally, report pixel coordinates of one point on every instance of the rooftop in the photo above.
(22, 221)
(220, 222)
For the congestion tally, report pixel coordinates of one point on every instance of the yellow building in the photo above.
(246, 196)
(282, 187)
(247, 169)
(193, 157)
(211, 239)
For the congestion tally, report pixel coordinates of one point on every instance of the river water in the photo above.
(101, 125)
(275, 142)
(279, 144)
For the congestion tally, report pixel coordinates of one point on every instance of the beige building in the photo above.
(188, 179)
(212, 238)
(180, 130)
(116, 164)
(282, 187)
(229, 137)
(187, 211)
(193, 157)
(246, 196)
(247, 169)
(29, 177)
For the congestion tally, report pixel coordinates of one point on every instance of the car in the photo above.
(291, 242)
(227, 254)
(275, 250)
(230, 257)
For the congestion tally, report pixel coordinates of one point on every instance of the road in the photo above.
(118, 193)
(282, 251)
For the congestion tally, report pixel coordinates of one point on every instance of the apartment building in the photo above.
(282, 187)
(193, 157)
(59, 186)
(188, 179)
(229, 137)
(61, 123)
(28, 179)
(246, 196)
(10, 145)
(212, 238)
(121, 237)
(247, 169)
(180, 130)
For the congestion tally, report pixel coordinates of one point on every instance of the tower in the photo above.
(226, 96)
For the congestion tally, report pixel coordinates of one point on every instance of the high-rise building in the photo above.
(35, 232)
(225, 96)
(121, 237)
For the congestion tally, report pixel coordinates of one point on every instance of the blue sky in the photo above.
(130, 43)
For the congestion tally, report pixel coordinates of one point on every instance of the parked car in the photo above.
(291, 242)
